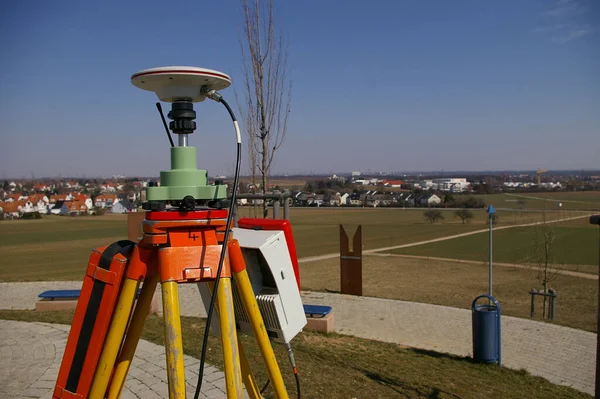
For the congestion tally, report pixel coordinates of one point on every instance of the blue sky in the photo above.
(379, 86)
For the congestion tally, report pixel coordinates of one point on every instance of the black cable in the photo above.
(265, 387)
(162, 116)
(297, 382)
(223, 251)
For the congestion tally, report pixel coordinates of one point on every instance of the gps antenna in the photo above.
(162, 116)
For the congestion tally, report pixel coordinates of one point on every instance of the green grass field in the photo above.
(338, 366)
(58, 247)
(571, 201)
(573, 245)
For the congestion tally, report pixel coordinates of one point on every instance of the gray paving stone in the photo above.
(24, 375)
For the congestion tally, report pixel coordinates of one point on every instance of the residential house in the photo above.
(15, 197)
(109, 187)
(318, 200)
(10, 210)
(73, 208)
(345, 199)
(60, 197)
(124, 206)
(393, 183)
(430, 200)
(105, 200)
(86, 200)
(40, 202)
(375, 200)
(71, 184)
(39, 187)
(355, 199)
(331, 199)
(301, 199)
(59, 208)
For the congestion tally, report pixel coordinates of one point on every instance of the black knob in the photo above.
(188, 202)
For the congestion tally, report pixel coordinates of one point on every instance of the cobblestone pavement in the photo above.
(32, 352)
(563, 355)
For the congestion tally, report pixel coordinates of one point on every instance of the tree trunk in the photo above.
(265, 154)
(544, 315)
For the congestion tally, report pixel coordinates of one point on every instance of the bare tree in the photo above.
(267, 88)
(433, 215)
(464, 214)
(546, 270)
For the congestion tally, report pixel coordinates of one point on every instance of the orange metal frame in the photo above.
(182, 247)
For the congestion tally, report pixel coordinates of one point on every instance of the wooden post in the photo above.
(351, 262)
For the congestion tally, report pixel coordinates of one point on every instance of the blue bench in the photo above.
(64, 294)
(316, 311)
(60, 294)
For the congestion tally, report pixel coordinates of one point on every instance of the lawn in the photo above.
(337, 366)
(457, 284)
(573, 245)
(570, 201)
(58, 248)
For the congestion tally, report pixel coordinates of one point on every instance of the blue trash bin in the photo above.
(486, 330)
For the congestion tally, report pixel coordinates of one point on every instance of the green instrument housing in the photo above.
(185, 179)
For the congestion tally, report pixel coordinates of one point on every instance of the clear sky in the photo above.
(378, 85)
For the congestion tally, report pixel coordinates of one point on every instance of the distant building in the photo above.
(431, 200)
(124, 206)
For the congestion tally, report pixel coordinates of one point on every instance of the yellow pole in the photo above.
(231, 358)
(249, 381)
(173, 340)
(260, 333)
(133, 336)
(114, 338)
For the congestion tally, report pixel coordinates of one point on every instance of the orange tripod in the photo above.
(177, 247)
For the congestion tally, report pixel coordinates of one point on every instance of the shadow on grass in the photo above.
(394, 384)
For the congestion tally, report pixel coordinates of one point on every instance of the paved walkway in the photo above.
(563, 355)
(32, 352)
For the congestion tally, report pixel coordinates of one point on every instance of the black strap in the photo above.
(120, 247)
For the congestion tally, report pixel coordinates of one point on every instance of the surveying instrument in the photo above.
(249, 274)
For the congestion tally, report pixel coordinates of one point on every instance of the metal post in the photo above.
(236, 215)
(276, 208)
(286, 208)
(491, 211)
(490, 255)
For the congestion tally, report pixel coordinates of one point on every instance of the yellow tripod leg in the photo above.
(133, 336)
(173, 340)
(231, 358)
(247, 376)
(114, 338)
(240, 274)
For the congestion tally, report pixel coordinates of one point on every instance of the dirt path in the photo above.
(474, 262)
(414, 244)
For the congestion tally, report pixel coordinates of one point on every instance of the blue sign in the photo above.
(491, 210)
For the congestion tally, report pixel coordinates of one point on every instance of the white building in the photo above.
(452, 184)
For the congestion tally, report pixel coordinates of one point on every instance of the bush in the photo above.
(31, 215)
(433, 215)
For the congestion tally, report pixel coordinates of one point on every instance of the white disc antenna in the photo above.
(180, 83)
